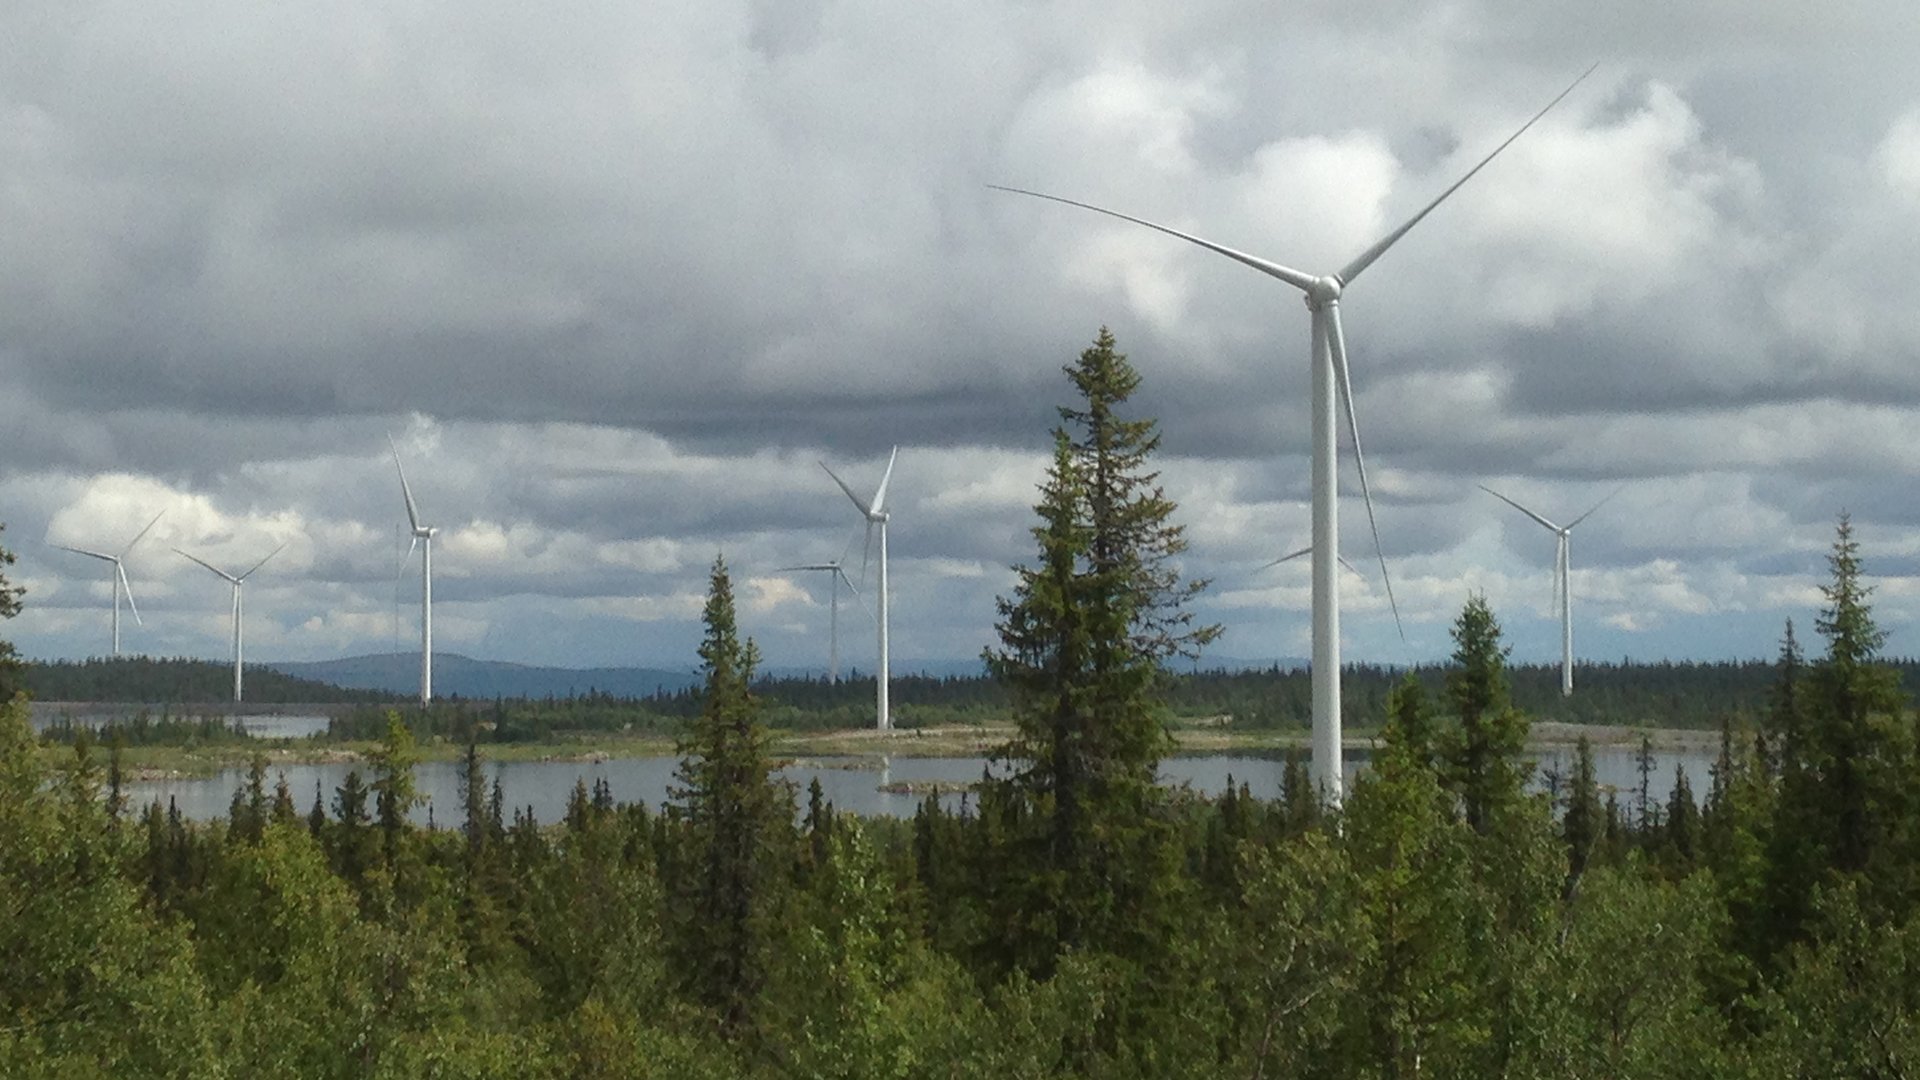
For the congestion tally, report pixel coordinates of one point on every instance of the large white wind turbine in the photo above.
(1562, 571)
(236, 581)
(422, 539)
(836, 573)
(876, 514)
(119, 577)
(1328, 356)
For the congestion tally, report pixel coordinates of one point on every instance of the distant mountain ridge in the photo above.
(454, 674)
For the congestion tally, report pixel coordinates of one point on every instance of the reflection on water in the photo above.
(851, 784)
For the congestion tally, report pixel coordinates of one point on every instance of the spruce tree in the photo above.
(1583, 826)
(1083, 641)
(1853, 696)
(739, 822)
(1784, 722)
(1683, 822)
(1483, 762)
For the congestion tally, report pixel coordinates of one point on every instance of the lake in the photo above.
(851, 784)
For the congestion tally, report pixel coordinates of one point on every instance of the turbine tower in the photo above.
(119, 577)
(1328, 356)
(236, 582)
(836, 573)
(1562, 571)
(422, 539)
(876, 514)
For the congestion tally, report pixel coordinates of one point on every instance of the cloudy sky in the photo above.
(616, 280)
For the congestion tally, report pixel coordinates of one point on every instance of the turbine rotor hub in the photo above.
(1323, 291)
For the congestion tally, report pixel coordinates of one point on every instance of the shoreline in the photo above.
(149, 763)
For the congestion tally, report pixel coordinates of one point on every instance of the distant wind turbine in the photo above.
(236, 582)
(836, 573)
(876, 514)
(119, 577)
(422, 539)
(1328, 356)
(1562, 571)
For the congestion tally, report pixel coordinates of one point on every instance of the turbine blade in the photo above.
(1522, 509)
(1597, 506)
(1272, 269)
(121, 569)
(1337, 340)
(210, 566)
(142, 533)
(866, 550)
(1353, 269)
(413, 513)
(89, 554)
(1354, 570)
(262, 562)
(400, 570)
(861, 600)
(1288, 557)
(808, 566)
(880, 495)
(858, 503)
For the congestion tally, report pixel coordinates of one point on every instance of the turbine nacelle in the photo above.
(1323, 291)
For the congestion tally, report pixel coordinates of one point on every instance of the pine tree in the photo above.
(1582, 826)
(1784, 721)
(473, 796)
(1410, 721)
(1483, 762)
(1853, 696)
(739, 822)
(1083, 642)
(1683, 822)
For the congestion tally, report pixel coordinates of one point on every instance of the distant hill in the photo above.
(149, 680)
(453, 674)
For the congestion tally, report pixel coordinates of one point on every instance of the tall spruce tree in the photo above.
(1583, 825)
(739, 823)
(1083, 642)
(1483, 760)
(1854, 696)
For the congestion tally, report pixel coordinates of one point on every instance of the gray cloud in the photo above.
(617, 279)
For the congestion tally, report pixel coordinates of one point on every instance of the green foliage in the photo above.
(1083, 641)
(10, 594)
(173, 681)
(1441, 923)
(1483, 752)
(739, 828)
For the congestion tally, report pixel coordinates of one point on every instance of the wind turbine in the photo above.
(836, 573)
(876, 514)
(1562, 571)
(236, 582)
(422, 539)
(1328, 357)
(119, 577)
